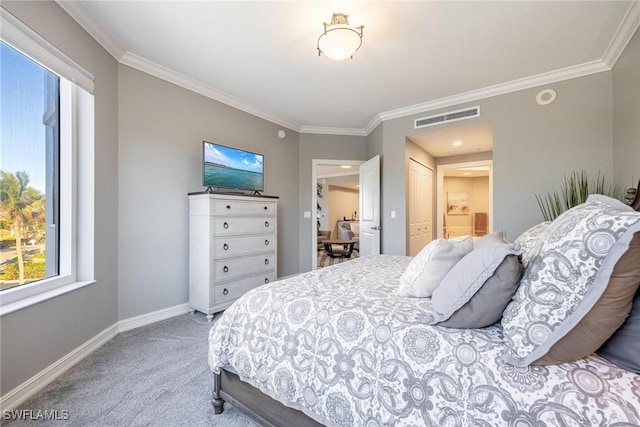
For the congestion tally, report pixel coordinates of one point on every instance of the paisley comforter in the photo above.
(338, 345)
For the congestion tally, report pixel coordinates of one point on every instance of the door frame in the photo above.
(314, 200)
(440, 190)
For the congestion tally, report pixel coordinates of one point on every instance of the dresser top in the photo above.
(237, 196)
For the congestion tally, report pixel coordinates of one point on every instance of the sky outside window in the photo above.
(22, 103)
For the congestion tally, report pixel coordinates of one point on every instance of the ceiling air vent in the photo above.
(451, 116)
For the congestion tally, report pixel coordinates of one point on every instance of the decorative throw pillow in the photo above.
(495, 238)
(567, 277)
(478, 288)
(606, 316)
(425, 272)
(623, 348)
(529, 242)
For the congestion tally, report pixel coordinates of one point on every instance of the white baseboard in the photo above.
(153, 317)
(36, 383)
(24, 391)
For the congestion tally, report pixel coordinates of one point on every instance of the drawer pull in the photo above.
(266, 280)
(225, 225)
(225, 269)
(266, 261)
(266, 223)
(228, 206)
(225, 292)
(266, 242)
(225, 247)
(265, 208)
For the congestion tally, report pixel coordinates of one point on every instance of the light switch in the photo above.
(307, 214)
(393, 214)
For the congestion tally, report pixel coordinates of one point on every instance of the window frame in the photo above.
(76, 170)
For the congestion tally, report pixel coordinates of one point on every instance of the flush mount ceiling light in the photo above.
(339, 39)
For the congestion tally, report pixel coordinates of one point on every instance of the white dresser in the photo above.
(232, 248)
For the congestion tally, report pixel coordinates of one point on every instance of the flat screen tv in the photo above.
(231, 168)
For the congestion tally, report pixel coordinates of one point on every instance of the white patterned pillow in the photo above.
(529, 242)
(567, 276)
(427, 269)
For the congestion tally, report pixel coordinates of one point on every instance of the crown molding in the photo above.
(623, 34)
(627, 28)
(500, 89)
(373, 124)
(149, 67)
(325, 130)
(91, 26)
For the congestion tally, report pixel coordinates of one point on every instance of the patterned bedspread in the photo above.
(338, 345)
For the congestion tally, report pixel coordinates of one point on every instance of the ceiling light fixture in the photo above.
(345, 166)
(339, 40)
(457, 143)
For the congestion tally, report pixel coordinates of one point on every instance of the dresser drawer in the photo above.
(239, 207)
(248, 225)
(226, 269)
(225, 247)
(233, 290)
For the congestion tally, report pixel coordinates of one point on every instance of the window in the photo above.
(47, 170)
(29, 170)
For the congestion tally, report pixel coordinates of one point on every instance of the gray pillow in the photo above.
(475, 292)
(623, 348)
(486, 306)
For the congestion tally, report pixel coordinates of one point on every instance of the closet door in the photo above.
(420, 206)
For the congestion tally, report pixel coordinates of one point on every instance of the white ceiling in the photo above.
(260, 56)
(468, 138)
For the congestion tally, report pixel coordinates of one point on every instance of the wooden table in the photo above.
(345, 252)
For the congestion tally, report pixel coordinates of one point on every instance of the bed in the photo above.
(339, 347)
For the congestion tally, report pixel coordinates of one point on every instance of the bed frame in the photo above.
(268, 412)
(227, 386)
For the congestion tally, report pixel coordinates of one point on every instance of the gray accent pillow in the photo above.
(486, 306)
(566, 277)
(476, 290)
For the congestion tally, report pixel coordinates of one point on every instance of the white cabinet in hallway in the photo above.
(232, 248)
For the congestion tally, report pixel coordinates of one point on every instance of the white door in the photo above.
(420, 206)
(370, 207)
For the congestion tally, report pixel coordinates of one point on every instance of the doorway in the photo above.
(464, 199)
(463, 160)
(335, 200)
(364, 224)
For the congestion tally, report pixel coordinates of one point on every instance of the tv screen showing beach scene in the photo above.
(231, 168)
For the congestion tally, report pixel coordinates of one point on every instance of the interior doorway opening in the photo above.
(335, 201)
(464, 199)
(462, 155)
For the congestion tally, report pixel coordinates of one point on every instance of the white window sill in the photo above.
(10, 307)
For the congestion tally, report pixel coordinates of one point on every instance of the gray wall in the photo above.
(626, 115)
(325, 147)
(534, 146)
(38, 336)
(162, 127)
